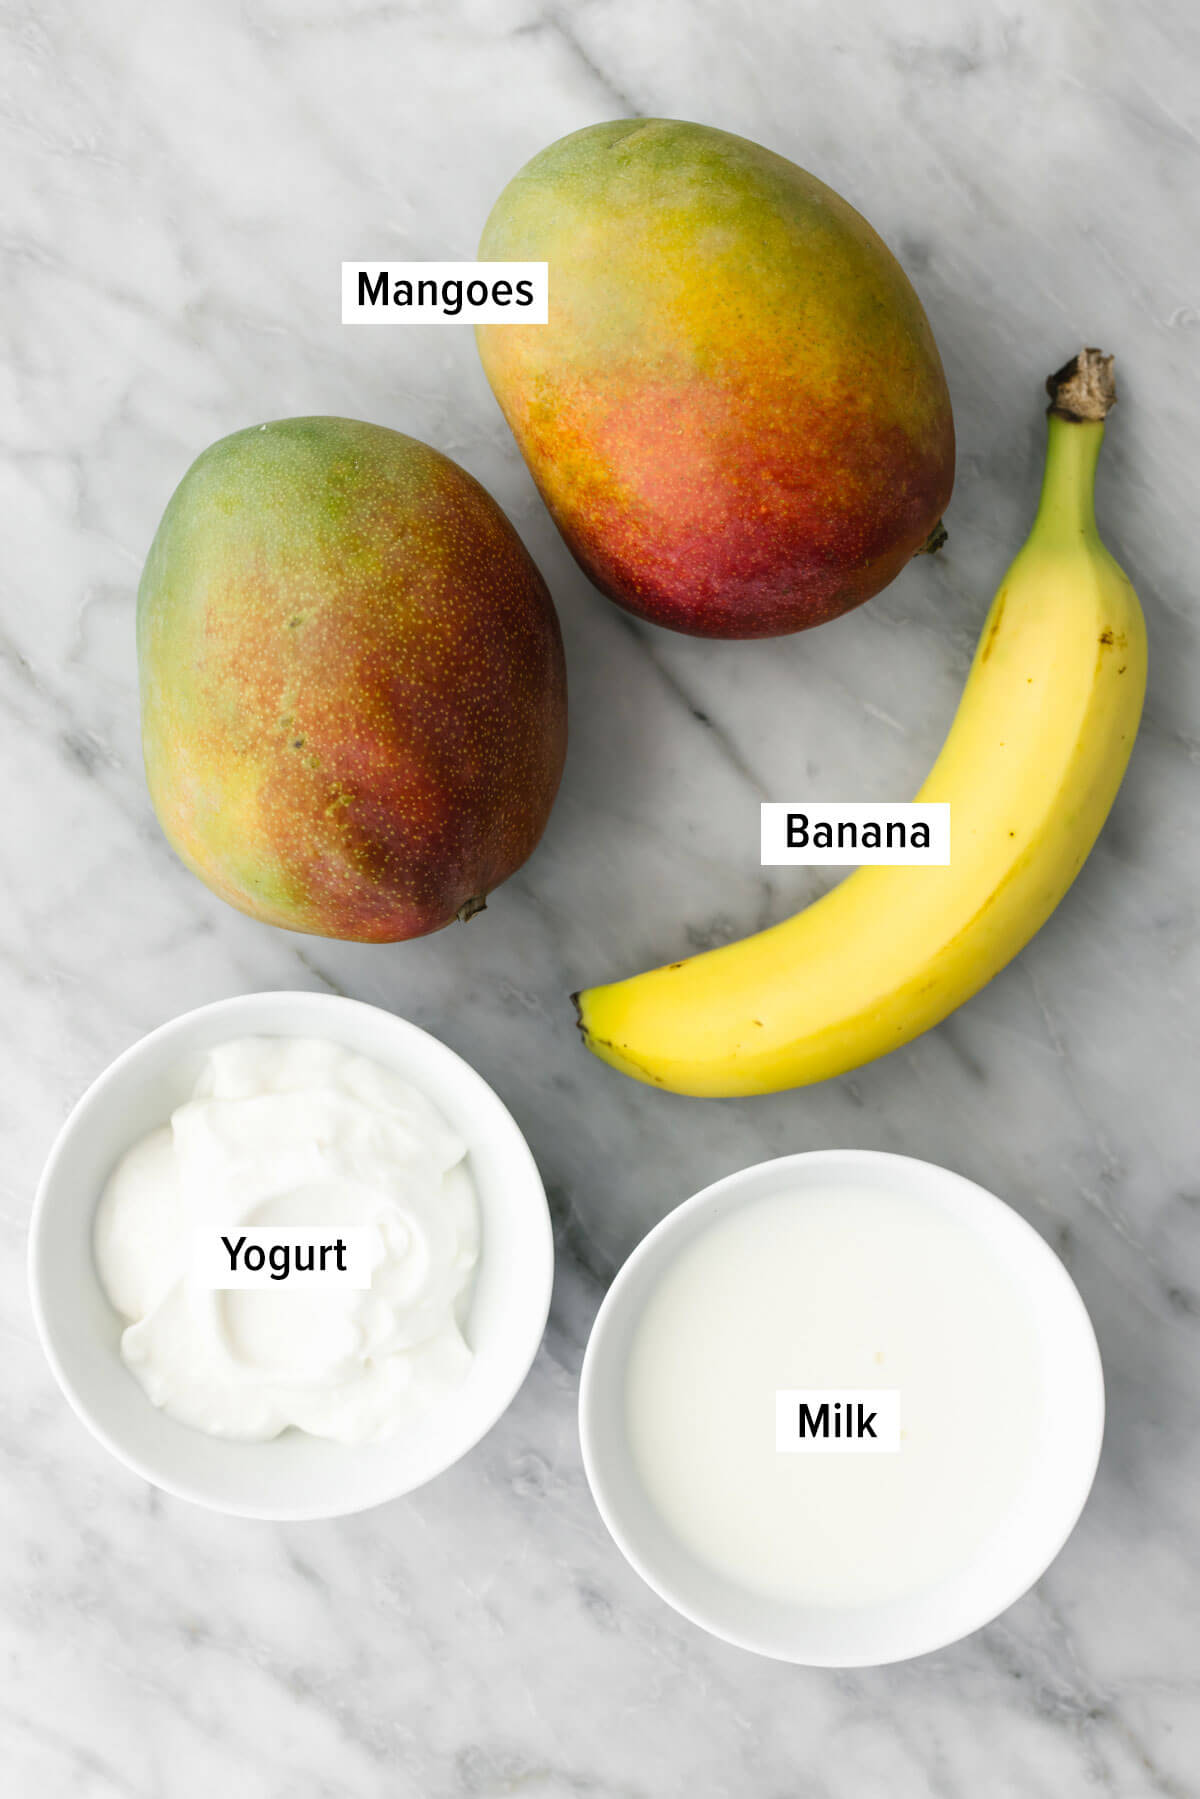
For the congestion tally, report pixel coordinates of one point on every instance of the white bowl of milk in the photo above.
(842, 1408)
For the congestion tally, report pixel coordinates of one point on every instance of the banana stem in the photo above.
(1066, 511)
(1082, 394)
(1083, 390)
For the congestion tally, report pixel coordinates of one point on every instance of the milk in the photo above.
(849, 1292)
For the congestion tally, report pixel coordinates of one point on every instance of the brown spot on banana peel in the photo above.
(647, 1074)
(618, 1049)
(1001, 602)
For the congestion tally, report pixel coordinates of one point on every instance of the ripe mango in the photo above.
(736, 415)
(352, 681)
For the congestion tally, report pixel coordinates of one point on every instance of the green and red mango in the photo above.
(352, 680)
(736, 415)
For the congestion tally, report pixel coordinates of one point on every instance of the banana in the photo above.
(1031, 767)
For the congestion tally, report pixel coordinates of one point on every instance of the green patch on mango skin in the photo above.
(352, 681)
(736, 414)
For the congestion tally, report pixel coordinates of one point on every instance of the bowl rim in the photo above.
(594, 1459)
(94, 1094)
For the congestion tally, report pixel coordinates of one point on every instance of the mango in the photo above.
(352, 681)
(736, 415)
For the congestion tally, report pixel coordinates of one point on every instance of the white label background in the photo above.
(884, 1402)
(491, 312)
(209, 1265)
(776, 852)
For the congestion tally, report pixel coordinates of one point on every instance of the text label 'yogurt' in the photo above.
(265, 1256)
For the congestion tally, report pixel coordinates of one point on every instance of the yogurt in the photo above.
(295, 1133)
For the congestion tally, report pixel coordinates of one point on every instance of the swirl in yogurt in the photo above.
(295, 1133)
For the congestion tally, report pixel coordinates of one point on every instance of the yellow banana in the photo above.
(1031, 767)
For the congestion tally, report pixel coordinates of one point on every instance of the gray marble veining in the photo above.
(181, 182)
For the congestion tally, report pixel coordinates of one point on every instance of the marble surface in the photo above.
(181, 182)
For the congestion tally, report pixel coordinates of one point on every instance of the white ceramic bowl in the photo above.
(1015, 1555)
(295, 1475)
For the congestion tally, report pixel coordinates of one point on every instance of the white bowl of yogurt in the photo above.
(842, 1408)
(269, 1117)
